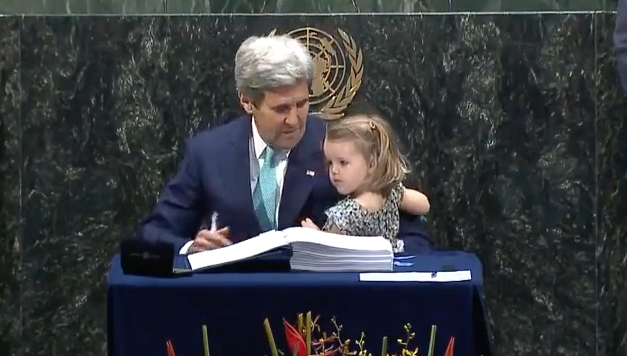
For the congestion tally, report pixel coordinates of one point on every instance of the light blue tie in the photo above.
(266, 191)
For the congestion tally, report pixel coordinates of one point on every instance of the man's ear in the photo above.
(246, 103)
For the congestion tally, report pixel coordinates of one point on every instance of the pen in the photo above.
(214, 221)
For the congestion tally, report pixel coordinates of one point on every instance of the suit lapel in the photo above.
(235, 171)
(299, 179)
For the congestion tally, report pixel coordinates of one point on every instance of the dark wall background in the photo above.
(514, 125)
(68, 7)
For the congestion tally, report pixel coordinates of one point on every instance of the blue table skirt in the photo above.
(144, 312)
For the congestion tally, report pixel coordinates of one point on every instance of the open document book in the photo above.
(312, 251)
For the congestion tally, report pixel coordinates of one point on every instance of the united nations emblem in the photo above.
(338, 69)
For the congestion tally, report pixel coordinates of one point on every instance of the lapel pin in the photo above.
(311, 173)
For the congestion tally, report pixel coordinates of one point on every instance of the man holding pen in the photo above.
(260, 172)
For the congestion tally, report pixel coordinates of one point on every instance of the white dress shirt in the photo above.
(257, 146)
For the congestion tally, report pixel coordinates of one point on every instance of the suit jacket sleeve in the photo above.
(620, 42)
(412, 231)
(178, 213)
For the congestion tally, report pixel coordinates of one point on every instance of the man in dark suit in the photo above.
(620, 42)
(263, 171)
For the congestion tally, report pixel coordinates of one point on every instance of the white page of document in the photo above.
(453, 276)
(359, 243)
(237, 252)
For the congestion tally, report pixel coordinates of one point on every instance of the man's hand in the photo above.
(309, 224)
(207, 240)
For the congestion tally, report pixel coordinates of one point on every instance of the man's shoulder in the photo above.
(316, 125)
(218, 136)
(316, 121)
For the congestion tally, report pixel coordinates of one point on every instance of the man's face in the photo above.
(281, 115)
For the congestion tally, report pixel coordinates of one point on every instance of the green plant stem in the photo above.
(205, 340)
(308, 335)
(384, 346)
(432, 341)
(299, 322)
(273, 349)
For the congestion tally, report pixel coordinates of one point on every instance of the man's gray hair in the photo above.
(268, 62)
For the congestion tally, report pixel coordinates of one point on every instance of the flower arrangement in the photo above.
(307, 339)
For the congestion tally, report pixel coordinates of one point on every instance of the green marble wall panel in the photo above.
(532, 5)
(514, 124)
(68, 7)
(292, 6)
(304, 6)
(10, 192)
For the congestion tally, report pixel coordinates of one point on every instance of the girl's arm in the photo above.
(328, 227)
(414, 202)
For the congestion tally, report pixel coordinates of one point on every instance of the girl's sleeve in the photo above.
(396, 195)
(337, 218)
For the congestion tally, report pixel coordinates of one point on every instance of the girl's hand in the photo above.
(309, 224)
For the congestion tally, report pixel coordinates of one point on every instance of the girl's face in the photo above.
(348, 168)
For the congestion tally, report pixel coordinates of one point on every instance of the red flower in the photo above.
(170, 348)
(294, 338)
(449, 348)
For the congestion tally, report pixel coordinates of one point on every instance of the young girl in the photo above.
(367, 167)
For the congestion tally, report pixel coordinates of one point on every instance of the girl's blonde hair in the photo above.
(375, 139)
